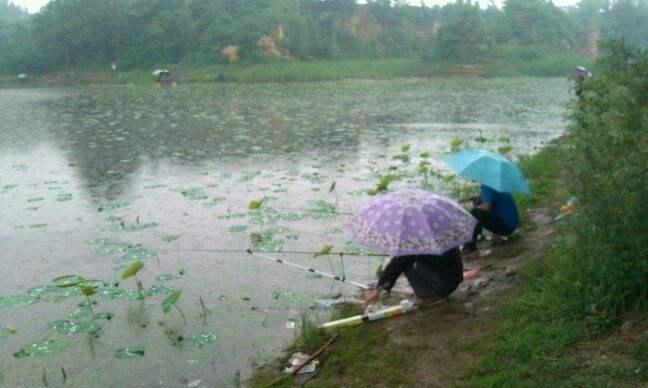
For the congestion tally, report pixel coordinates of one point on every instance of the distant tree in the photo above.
(10, 13)
(627, 20)
(464, 37)
(590, 14)
(538, 22)
(147, 33)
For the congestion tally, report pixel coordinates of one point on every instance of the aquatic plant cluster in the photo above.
(151, 209)
(85, 320)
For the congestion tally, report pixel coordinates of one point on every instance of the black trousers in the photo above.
(490, 222)
(430, 279)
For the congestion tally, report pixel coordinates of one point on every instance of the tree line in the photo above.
(67, 34)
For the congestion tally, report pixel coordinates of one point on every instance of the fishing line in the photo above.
(342, 254)
(326, 274)
(334, 212)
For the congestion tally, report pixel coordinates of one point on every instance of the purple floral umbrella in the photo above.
(412, 222)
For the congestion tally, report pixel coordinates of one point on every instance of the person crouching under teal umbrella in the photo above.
(495, 212)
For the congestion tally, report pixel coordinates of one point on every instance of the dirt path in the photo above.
(440, 339)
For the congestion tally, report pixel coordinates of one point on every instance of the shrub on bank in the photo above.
(598, 267)
(608, 161)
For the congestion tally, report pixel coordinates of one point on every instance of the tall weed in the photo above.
(598, 266)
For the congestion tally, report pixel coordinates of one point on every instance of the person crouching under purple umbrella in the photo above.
(432, 277)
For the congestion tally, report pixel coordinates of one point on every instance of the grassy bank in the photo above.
(500, 64)
(591, 289)
(551, 332)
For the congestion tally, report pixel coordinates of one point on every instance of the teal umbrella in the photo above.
(490, 169)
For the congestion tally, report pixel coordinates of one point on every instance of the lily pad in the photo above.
(131, 251)
(159, 289)
(214, 202)
(288, 296)
(268, 215)
(108, 247)
(119, 294)
(132, 269)
(254, 205)
(42, 348)
(194, 193)
(334, 230)
(165, 277)
(64, 197)
(204, 338)
(82, 311)
(68, 280)
(170, 238)
(17, 300)
(114, 204)
(170, 301)
(117, 225)
(130, 352)
(137, 252)
(67, 327)
(249, 175)
(314, 178)
(53, 293)
(266, 241)
(7, 331)
(238, 228)
(326, 249)
(229, 216)
(321, 209)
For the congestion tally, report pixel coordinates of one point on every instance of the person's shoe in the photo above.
(469, 249)
(427, 302)
(498, 240)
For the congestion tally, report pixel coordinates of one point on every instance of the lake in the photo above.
(94, 178)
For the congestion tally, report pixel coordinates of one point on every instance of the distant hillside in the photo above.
(9, 13)
(140, 34)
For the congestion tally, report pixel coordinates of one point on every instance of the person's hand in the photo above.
(467, 199)
(373, 298)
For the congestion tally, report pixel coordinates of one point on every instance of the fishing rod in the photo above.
(332, 212)
(326, 274)
(360, 254)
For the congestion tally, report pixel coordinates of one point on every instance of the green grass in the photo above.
(562, 304)
(542, 172)
(361, 356)
(289, 71)
(499, 63)
(534, 61)
(516, 61)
